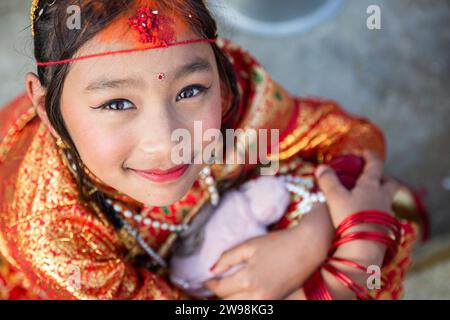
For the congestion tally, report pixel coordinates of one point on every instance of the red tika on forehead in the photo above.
(151, 28)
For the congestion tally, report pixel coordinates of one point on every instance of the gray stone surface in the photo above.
(16, 56)
(429, 275)
(398, 76)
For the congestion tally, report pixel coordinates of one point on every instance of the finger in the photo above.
(373, 168)
(232, 257)
(329, 182)
(227, 286)
(391, 187)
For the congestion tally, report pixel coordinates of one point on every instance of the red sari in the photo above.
(48, 235)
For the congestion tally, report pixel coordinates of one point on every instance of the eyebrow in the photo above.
(113, 84)
(198, 64)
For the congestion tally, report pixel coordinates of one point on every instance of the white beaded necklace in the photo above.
(205, 174)
(301, 187)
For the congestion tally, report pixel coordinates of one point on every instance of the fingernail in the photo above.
(213, 267)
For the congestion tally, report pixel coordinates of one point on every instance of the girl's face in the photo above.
(121, 115)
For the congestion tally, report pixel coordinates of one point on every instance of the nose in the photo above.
(155, 131)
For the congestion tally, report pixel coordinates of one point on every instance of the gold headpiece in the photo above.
(34, 7)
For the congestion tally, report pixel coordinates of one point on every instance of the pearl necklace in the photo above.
(147, 221)
(301, 187)
(205, 174)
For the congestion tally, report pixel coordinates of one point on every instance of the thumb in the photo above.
(329, 182)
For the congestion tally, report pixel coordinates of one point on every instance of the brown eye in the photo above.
(191, 92)
(117, 105)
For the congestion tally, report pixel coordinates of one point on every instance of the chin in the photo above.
(163, 196)
(163, 200)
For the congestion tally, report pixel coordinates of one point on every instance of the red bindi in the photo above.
(161, 76)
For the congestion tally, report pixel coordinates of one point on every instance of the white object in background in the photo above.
(274, 18)
(446, 183)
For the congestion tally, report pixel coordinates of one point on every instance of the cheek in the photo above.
(102, 149)
(212, 118)
(102, 152)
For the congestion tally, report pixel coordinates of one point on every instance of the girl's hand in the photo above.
(370, 193)
(277, 263)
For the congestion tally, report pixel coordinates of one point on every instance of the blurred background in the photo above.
(398, 76)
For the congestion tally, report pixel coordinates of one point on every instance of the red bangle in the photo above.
(371, 216)
(348, 282)
(347, 262)
(315, 288)
(379, 237)
(363, 235)
(384, 280)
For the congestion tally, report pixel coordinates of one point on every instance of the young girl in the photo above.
(92, 201)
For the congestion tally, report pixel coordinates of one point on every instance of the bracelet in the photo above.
(379, 237)
(372, 216)
(384, 280)
(347, 281)
(316, 289)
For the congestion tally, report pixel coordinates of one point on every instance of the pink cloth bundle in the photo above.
(242, 214)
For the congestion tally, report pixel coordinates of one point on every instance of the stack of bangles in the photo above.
(316, 289)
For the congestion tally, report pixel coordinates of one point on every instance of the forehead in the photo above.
(145, 64)
(122, 34)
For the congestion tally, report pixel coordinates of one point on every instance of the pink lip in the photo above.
(157, 175)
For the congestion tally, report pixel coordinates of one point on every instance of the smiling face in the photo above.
(120, 113)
